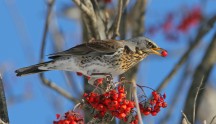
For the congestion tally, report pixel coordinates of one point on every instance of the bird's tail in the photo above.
(31, 69)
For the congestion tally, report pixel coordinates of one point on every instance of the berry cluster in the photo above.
(69, 118)
(193, 18)
(153, 107)
(113, 102)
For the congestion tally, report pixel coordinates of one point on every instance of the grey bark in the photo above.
(3, 105)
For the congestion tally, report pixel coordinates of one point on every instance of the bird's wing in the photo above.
(93, 48)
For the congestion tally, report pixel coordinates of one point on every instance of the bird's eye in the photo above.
(151, 45)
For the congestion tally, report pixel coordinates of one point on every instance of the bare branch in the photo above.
(83, 7)
(57, 89)
(43, 79)
(138, 17)
(48, 17)
(204, 68)
(195, 99)
(3, 104)
(136, 102)
(185, 117)
(178, 92)
(117, 21)
(202, 31)
(213, 119)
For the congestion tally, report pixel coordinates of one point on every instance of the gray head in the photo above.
(143, 44)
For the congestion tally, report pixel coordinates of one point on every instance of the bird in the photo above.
(98, 56)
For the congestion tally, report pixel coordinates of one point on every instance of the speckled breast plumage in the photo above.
(115, 64)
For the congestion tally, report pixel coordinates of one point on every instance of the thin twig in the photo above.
(213, 119)
(47, 22)
(137, 102)
(117, 21)
(177, 93)
(204, 68)
(83, 7)
(57, 88)
(202, 31)
(195, 99)
(43, 79)
(185, 117)
(3, 105)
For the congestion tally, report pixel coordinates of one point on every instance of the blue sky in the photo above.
(21, 29)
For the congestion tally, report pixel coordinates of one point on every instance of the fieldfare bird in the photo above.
(99, 56)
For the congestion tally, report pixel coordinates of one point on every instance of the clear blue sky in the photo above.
(21, 29)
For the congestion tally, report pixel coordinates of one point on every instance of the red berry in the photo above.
(131, 104)
(122, 95)
(154, 93)
(99, 81)
(107, 1)
(107, 101)
(164, 104)
(127, 110)
(156, 97)
(88, 77)
(122, 115)
(156, 109)
(58, 116)
(161, 99)
(159, 104)
(120, 89)
(79, 74)
(153, 113)
(114, 103)
(119, 100)
(115, 96)
(125, 102)
(100, 107)
(123, 107)
(148, 108)
(164, 53)
(85, 94)
(146, 112)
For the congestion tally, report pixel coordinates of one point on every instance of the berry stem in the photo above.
(137, 102)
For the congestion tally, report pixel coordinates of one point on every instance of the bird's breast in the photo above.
(130, 59)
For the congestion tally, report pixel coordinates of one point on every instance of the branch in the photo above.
(185, 118)
(195, 99)
(177, 93)
(137, 102)
(204, 68)
(43, 79)
(57, 88)
(138, 18)
(3, 104)
(116, 23)
(202, 31)
(213, 119)
(48, 18)
(83, 7)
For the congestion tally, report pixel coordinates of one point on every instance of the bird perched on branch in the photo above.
(99, 56)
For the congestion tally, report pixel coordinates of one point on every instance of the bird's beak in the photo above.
(156, 51)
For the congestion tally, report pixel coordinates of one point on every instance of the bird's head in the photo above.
(145, 45)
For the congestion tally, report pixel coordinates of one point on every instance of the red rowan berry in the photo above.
(153, 113)
(164, 53)
(79, 74)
